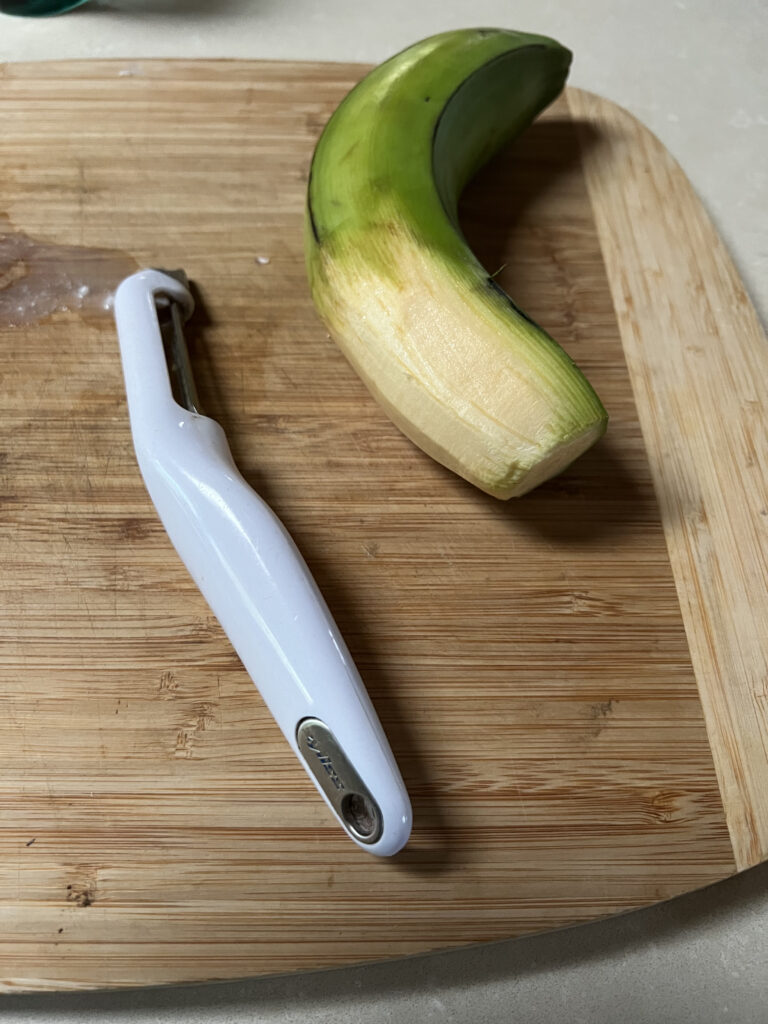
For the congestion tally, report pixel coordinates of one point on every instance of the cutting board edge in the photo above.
(732, 727)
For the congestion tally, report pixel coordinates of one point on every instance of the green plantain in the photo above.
(455, 363)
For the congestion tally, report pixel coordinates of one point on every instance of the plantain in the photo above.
(459, 368)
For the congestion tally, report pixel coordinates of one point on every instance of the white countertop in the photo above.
(694, 71)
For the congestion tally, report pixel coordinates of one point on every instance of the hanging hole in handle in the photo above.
(359, 814)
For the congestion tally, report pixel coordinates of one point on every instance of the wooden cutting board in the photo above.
(573, 682)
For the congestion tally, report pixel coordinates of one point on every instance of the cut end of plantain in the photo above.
(454, 362)
(558, 458)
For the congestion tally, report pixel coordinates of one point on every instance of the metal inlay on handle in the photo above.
(350, 798)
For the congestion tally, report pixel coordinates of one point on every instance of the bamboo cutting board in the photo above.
(573, 683)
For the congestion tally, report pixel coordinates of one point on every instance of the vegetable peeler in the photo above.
(251, 573)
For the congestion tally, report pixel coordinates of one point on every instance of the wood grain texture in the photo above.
(529, 660)
(698, 361)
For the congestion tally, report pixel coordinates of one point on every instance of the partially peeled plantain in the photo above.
(457, 366)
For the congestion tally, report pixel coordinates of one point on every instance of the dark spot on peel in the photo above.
(312, 224)
(500, 291)
(310, 214)
(350, 151)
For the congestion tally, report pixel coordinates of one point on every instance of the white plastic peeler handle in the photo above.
(257, 583)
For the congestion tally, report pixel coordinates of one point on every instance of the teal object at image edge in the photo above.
(38, 8)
